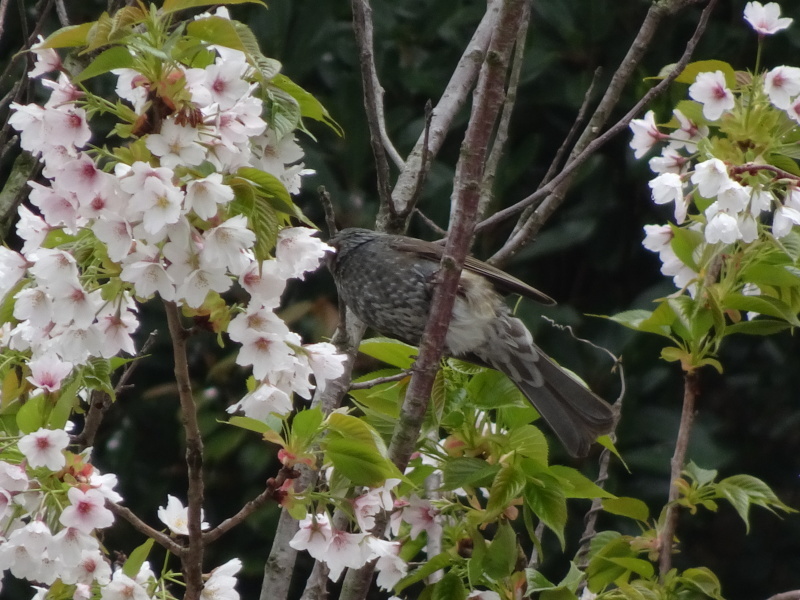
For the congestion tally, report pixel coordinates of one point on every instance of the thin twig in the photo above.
(430, 223)
(422, 175)
(667, 533)
(573, 131)
(365, 385)
(272, 489)
(161, 538)
(192, 558)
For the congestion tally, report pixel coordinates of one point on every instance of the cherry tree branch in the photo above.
(487, 102)
(161, 538)
(667, 533)
(192, 558)
(501, 137)
(428, 145)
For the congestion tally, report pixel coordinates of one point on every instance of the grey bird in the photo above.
(387, 281)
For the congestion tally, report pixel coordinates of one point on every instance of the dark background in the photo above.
(589, 257)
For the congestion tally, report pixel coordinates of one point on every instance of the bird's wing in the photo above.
(500, 279)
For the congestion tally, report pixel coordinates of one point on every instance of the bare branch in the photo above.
(501, 137)
(554, 188)
(432, 225)
(451, 102)
(273, 489)
(373, 100)
(161, 539)
(365, 385)
(667, 533)
(192, 558)
(61, 11)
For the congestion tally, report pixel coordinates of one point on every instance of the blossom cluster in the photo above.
(714, 169)
(158, 216)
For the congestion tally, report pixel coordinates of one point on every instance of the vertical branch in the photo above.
(487, 101)
(667, 533)
(192, 556)
(373, 102)
(501, 137)
(453, 98)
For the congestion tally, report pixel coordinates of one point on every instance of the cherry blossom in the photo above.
(765, 19)
(45, 448)
(48, 371)
(176, 145)
(176, 516)
(710, 89)
(205, 195)
(298, 251)
(222, 581)
(782, 84)
(123, 587)
(47, 60)
(711, 176)
(668, 187)
(87, 511)
(264, 401)
(645, 134)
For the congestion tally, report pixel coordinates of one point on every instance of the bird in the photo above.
(387, 282)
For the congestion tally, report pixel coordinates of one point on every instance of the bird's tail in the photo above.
(574, 413)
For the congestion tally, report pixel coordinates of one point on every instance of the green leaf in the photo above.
(657, 321)
(632, 508)
(703, 580)
(66, 403)
(440, 561)
(743, 490)
(684, 242)
(700, 475)
(547, 501)
(507, 486)
(501, 557)
(309, 106)
(603, 569)
(359, 462)
(492, 389)
(136, 558)
(306, 424)
(578, 485)
(170, 6)
(636, 565)
(757, 327)
(69, 36)
(216, 30)
(30, 416)
(355, 429)
(765, 305)
(693, 69)
(466, 471)
(529, 441)
(449, 587)
(502, 553)
(389, 351)
(116, 57)
(249, 424)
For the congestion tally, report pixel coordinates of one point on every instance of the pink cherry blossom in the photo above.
(86, 511)
(48, 371)
(710, 89)
(45, 448)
